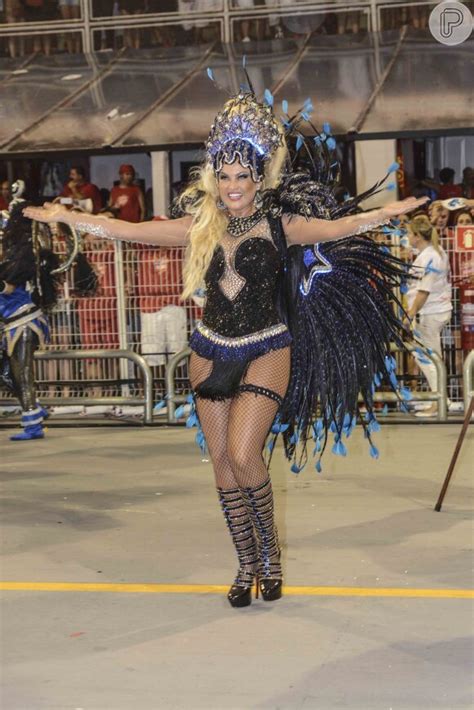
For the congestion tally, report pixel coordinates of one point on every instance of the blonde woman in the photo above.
(290, 335)
(429, 297)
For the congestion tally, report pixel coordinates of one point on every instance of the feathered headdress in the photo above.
(244, 128)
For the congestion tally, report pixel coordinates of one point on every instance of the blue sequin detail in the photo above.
(211, 350)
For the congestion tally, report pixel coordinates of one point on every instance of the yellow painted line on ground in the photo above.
(219, 589)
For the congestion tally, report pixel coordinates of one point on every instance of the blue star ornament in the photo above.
(321, 266)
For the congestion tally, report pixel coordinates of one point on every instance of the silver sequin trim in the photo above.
(97, 230)
(241, 340)
(362, 228)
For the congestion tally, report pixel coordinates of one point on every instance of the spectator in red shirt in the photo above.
(447, 188)
(5, 195)
(468, 183)
(79, 189)
(127, 199)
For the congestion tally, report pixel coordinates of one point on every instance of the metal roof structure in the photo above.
(391, 84)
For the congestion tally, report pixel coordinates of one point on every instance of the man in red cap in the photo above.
(127, 199)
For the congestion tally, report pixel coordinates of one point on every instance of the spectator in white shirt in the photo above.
(429, 296)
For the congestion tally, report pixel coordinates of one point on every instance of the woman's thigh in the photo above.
(271, 371)
(199, 369)
(252, 413)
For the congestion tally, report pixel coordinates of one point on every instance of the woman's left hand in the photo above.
(393, 209)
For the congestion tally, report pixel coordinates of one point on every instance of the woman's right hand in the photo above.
(48, 213)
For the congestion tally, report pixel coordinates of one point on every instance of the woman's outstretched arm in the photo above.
(173, 232)
(300, 230)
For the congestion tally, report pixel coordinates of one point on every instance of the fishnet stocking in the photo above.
(235, 431)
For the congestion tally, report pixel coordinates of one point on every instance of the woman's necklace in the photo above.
(240, 225)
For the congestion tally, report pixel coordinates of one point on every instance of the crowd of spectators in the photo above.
(185, 29)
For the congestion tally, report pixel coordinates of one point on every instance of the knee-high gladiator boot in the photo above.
(243, 537)
(259, 502)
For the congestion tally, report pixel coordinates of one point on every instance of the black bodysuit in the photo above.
(241, 319)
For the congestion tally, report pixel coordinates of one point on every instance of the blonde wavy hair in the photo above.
(422, 227)
(199, 200)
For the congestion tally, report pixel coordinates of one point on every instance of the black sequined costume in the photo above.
(241, 319)
(334, 302)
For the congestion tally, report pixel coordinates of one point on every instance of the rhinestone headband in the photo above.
(245, 129)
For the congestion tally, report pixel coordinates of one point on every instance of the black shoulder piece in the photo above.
(299, 195)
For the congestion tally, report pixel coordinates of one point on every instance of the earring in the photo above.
(258, 199)
(220, 205)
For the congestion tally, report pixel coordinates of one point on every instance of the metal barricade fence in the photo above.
(440, 396)
(137, 308)
(462, 269)
(146, 401)
(468, 378)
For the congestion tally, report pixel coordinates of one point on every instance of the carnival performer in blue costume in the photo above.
(29, 273)
(298, 317)
(27, 288)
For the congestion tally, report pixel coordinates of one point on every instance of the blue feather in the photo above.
(326, 128)
(179, 412)
(201, 441)
(210, 73)
(284, 106)
(268, 97)
(191, 421)
(299, 142)
(271, 445)
(393, 380)
(373, 426)
(374, 452)
(318, 466)
(339, 449)
(391, 186)
(405, 393)
(294, 438)
(393, 168)
(159, 405)
(331, 143)
(296, 469)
